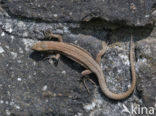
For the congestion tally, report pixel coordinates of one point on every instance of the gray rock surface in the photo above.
(146, 55)
(31, 85)
(130, 12)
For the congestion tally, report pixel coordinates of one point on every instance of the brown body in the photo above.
(79, 55)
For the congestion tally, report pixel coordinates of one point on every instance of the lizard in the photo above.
(82, 57)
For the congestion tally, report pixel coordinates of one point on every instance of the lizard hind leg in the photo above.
(101, 52)
(84, 81)
(86, 72)
(98, 58)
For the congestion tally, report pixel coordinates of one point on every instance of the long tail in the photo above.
(124, 95)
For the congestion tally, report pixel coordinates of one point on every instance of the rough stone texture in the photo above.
(132, 12)
(146, 55)
(30, 85)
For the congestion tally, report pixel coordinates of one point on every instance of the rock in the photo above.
(24, 87)
(32, 85)
(125, 12)
(146, 55)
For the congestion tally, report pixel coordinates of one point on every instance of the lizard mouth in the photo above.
(34, 47)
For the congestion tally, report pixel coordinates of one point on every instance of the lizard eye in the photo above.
(43, 45)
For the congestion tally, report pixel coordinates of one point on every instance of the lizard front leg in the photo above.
(49, 35)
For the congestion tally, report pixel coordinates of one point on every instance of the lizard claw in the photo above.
(49, 35)
(84, 73)
(53, 59)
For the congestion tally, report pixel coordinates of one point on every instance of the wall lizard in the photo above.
(82, 57)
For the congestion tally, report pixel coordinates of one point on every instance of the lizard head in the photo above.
(39, 46)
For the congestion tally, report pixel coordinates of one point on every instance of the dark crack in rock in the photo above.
(129, 12)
